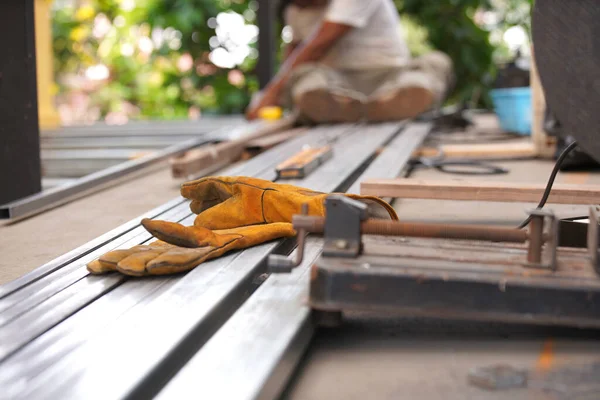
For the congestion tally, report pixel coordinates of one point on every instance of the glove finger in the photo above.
(98, 267)
(185, 236)
(135, 264)
(179, 260)
(108, 261)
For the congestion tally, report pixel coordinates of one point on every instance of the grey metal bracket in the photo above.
(342, 236)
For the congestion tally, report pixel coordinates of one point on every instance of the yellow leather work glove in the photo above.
(232, 213)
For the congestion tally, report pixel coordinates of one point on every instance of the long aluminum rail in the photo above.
(65, 334)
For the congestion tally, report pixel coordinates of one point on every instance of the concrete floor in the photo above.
(387, 358)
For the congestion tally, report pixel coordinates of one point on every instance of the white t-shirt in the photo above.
(375, 42)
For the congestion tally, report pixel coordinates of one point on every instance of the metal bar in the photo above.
(149, 128)
(370, 137)
(24, 300)
(38, 295)
(47, 349)
(178, 321)
(57, 287)
(266, 42)
(19, 129)
(171, 333)
(276, 327)
(283, 151)
(273, 361)
(395, 155)
(90, 183)
(27, 326)
(428, 230)
(91, 154)
(261, 166)
(100, 179)
(83, 250)
(125, 142)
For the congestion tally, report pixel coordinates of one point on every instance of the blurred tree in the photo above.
(167, 59)
(119, 59)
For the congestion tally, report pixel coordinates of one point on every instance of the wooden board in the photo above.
(479, 191)
(545, 145)
(483, 150)
(211, 156)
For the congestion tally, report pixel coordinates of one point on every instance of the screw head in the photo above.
(341, 244)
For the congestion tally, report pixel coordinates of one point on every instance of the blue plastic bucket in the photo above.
(513, 108)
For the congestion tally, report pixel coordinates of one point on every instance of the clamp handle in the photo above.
(285, 264)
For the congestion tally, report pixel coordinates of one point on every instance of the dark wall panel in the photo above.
(19, 129)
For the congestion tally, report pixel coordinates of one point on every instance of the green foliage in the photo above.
(151, 58)
(148, 76)
(451, 28)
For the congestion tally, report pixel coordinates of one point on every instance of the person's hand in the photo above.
(268, 97)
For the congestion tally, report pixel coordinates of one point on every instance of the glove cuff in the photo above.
(377, 208)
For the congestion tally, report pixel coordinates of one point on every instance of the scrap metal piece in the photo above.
(498, 377)
(342, 226)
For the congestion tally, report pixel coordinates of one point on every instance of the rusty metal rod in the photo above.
(419, 229)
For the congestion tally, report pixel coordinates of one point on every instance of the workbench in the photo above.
(226, 330)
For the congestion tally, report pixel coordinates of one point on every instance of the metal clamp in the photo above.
(342, 226)
(284, 264)
(342, 231)
(543, 240)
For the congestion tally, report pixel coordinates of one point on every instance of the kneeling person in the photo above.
(348, 61)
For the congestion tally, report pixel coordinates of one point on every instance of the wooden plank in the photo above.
(20, 173)
(545, 145)
(207, 156)
(482, 150)
(479, 191)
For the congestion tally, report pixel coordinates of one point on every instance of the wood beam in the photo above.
(480, 191)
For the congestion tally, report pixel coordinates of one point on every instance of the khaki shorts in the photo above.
(432, 71)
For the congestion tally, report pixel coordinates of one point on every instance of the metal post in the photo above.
(20, 173)
(266, 41)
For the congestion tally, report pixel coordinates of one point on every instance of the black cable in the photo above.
(439, 162)
(548, 189)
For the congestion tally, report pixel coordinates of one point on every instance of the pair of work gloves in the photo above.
(232, 213)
